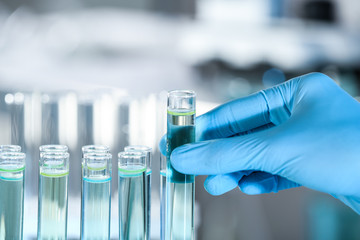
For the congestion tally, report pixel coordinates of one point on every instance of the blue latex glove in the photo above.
(304, 132)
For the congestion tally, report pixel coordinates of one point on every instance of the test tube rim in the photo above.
(53, 148)
(185, 93)
(122, 166)
(10, 148)
(180, 95)
(144, 149)
(97, 148)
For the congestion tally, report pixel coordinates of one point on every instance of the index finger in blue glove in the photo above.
(232, 118)
(241, 115)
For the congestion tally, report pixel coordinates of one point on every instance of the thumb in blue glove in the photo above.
(304, 132)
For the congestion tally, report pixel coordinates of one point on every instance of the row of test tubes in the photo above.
(134, 174)
(177, 191)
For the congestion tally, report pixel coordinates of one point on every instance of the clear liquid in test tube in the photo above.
(96, 196)
(148, 153)
(12, 170)
(132, 187)
(180, 188)
(53, 195)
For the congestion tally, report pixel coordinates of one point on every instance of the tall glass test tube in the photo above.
(53, 195)
(96, 196)
(132, 172)
(180, 188)
(148, 152)
(12, 169)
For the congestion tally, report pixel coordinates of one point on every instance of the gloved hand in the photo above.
(304, 132)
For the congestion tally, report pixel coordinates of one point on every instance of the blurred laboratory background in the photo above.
(80, 72)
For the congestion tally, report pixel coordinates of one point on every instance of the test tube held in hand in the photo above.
(180, 188)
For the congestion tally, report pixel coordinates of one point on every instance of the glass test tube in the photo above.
(162, 195)
(180, 188)
(53, 195)
(96, 196)
(12, 170)
(10, 148)
(132, 172)
(93, 149)
(148, 152)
